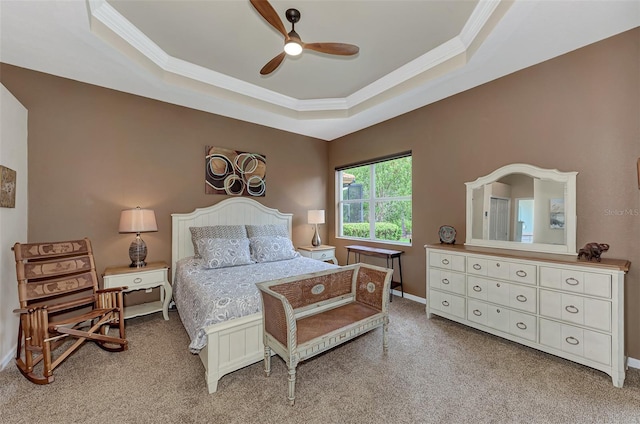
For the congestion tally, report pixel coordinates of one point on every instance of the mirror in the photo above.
(523, 207)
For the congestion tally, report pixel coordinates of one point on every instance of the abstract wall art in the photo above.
(235, 173)
(7, 187)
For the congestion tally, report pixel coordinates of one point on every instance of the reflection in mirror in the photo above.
(523, 207)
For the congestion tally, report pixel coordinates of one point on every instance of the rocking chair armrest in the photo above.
(21, 311)
(112, 289)
(70, 304)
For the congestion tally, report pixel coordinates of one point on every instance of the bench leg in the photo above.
(385, 336)
(292, 384)
(267, 360)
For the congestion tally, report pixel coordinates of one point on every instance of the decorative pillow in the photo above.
(224, 252)
(272, 248)
(215, 231)
(267, 230)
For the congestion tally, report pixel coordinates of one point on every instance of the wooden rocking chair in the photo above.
(59, 300)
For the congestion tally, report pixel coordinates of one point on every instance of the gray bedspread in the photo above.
(211, 296)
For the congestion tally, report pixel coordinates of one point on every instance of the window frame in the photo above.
(371, 200)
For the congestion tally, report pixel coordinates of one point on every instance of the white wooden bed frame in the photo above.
(237, 343)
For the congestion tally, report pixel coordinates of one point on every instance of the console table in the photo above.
(388, 254)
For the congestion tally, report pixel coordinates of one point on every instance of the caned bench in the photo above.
(308, 314)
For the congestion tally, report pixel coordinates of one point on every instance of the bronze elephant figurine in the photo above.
(593, 251)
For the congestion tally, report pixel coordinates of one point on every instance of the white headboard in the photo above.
(233, 211)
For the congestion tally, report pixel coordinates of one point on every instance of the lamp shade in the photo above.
(137, 221)
(315, 216)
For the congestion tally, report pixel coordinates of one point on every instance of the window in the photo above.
(375, 199)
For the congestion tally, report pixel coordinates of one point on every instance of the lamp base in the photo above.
(138, 253)
(315, 241)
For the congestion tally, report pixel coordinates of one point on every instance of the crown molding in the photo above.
(179, 71)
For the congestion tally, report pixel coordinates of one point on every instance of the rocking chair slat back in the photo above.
(53, 270)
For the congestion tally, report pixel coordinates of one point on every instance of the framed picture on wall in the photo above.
(7, 187)
(235, 173)
(556, 214)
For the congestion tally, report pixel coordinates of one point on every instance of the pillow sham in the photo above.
(280, 230)
(215, 231)
(271, 248)
(224, 252)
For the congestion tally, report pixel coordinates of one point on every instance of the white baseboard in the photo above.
(410, 297)
(7, 358)
(633, 363)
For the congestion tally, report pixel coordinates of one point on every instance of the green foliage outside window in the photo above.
(391, 200)
(384, 230)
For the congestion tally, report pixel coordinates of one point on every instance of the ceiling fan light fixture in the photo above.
(293, 45)
(292, 48)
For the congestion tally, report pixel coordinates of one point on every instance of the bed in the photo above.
(226, 344)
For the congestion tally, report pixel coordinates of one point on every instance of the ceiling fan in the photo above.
(293, 45)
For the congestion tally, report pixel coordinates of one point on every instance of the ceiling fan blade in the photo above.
(270, 15)
(341, 49)
(273, 64)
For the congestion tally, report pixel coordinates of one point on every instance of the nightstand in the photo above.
(322, 253)
(155, 274)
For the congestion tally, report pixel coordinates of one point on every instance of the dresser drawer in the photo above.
(513, 295)
(594, 313)
(504, 270)
(591, 283)
(447, 261)
(477, 312)
(136, 280)
(446, 302)
(477, 266)
(577, 341)
(447, 280)
(523, 325)
(522, 273)
(477, 287)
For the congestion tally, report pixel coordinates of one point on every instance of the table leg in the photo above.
(168, 294)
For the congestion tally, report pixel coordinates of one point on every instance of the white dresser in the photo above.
(553, 303)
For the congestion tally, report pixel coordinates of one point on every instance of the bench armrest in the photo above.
(372, 286)
(278, 317)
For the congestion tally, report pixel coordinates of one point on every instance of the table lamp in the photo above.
(315, 217)
(137, 221)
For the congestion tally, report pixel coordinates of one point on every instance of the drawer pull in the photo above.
(572, 281)
(572, 341)
(445, 303)
(137, 280)
(445, 262)
(498, 310)
(521, 298)
(521, 273)
(521, 325)
(571, 309)
(498, 265)
(445, 281)
(323, 255)
(477, 267)
(477, 289)
(497, 284)
(477, 312)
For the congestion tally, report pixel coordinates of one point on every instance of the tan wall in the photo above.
(93, 152)
(579, 112)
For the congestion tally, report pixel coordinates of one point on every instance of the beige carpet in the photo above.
(436, 371)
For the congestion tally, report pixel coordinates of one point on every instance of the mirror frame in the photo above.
(568, 178)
